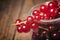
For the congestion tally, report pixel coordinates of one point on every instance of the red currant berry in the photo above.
(25, 28)
(17, 22)
(52, 12)
(56, 35)
(51, 5)
(30, 18)
(35, 12)
(43, 8)
(34, 26)
(19, 29)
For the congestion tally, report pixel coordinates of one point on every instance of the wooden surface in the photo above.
(14, 9)
(10, 10)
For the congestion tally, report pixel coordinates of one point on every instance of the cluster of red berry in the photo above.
(26, 25)
(45, 12)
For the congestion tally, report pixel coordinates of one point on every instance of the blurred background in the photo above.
(10, 10)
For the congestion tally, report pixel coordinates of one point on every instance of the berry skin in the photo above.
(43, 8)
(35, 12)
(25, 28)
(30, 18)
(19, 29)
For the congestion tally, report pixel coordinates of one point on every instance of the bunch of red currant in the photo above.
(45, 12)
(26, 25)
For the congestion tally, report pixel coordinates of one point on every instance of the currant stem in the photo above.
(20, 23)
